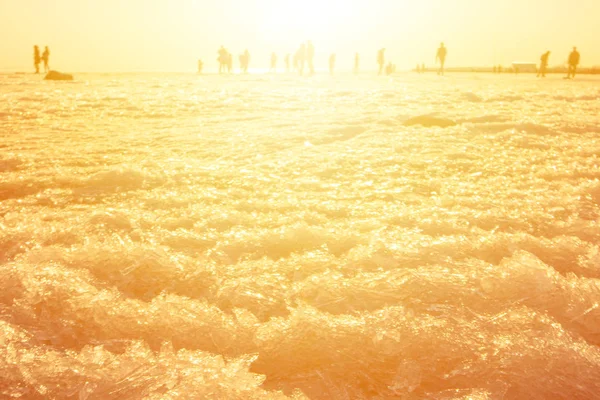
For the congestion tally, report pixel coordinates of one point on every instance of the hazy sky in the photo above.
(171, 35)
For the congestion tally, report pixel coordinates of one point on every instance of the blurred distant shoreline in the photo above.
(595, 70)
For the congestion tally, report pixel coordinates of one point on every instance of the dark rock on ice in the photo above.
(428, 121)
(58, 76)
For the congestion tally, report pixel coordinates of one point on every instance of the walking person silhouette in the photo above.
(441, 57)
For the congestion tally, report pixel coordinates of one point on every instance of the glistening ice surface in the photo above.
(180, 237)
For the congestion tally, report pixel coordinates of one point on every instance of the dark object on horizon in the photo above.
(273, 62)
(36, 59)
(200, 66)
(58, 76)
(381, 60)
(574, 58)
(441, 57)
(543, 64)
(287, 63)
(46, 59)
(310, 57)
(356, 63)
(332, 63)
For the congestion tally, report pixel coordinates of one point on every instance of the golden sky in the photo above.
(171, 35)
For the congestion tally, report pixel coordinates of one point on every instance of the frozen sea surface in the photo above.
(179, 236)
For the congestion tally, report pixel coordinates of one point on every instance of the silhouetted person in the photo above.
(200, 66)
(222, 59)
(441, 57)
(310, 57)
(287, 63)
(246, 60)
(390, 69)
(573, 63)
(331, 63)
(543, 64)
(381, 60)
(229, 62)
(36, 59)
(273, 62)
(46, 59)
(301, 56)
(356, 63)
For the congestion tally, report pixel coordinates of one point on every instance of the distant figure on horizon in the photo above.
(381, 60)
(543, 64)
(273, 62)
(223, 59)
(300, 59)
(229, 63)
(246, 61)
(310, 57)
(356, 63)
(46, 59)
(573, 63)
(287, 63)
(390, 69)
(200, 66)
(332, 63)
(36, 59)
(441, 57)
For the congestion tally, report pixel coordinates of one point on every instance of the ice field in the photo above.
(175, 236)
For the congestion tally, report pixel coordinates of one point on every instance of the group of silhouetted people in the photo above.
(573, 62)
(306, 55)
(38, 59)
(304, 58)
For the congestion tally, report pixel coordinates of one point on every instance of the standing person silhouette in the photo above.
(441, 57)
(381, 60)
(246, 60)
(301, 58)
(36, 59)
(45, 59)
(310, 57)
(222, 59)
(332, 63)
(356, 63)
(273, 62)
(543, 64)
(574, 58)
(229, 63)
